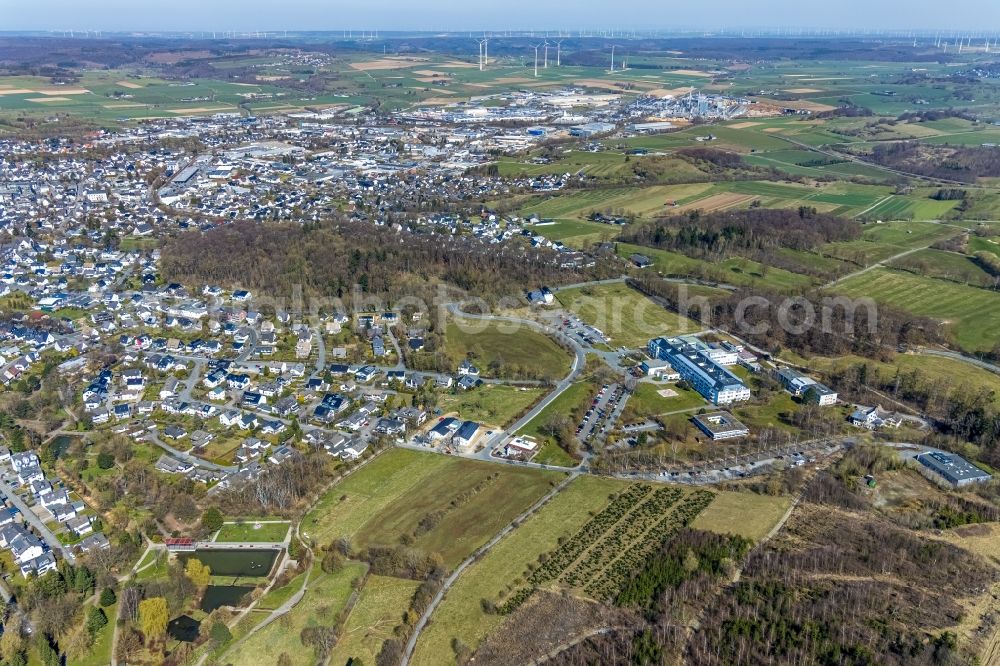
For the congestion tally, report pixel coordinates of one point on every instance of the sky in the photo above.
(244, 15)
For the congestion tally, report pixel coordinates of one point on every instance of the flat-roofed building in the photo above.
(721, 425)
(953, 468)
(693, 360)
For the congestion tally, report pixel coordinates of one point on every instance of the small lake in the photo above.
(235, 562)
(217, 596)
(183, 628)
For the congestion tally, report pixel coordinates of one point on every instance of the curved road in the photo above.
(579, 361)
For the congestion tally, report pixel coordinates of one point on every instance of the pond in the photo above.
(217, 596)
(235, 562)
(183, 628)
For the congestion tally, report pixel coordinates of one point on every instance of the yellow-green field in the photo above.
(493, 404)
(379, 609)
(326, 597)
(387, 499)
(460, 615)
(626, 316)
(745, 514)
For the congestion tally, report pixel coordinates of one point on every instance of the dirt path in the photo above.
(411, 644)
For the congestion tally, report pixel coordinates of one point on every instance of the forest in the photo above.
(356, 262)
(964, 164)
(808, 323)
(747, 233)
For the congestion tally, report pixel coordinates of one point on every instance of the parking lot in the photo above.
(603, 412)
(585, 334)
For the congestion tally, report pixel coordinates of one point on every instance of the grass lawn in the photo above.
(247, 531)
(646, 402)
(100, 650)
(495, 404)
(385, 502)
(551, 453)
(566, 402)
(514, 346)
(378, 610)
(773, 414)
(280, 595)
(971, 313)
(745, 514)
(626, 316)
(460, 614)
(157, 569)
(326, 597)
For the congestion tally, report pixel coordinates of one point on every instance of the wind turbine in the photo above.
(536, 60)
(486, 51)
(546, 62)
(558, 50)
(612, 57)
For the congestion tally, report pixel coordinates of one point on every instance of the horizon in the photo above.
(185, 16)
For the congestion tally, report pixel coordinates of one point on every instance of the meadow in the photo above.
(325, 599)
(461, 614)
(492, 404)
(626, 316)
(379, 609)
(510, 346)
(746, 514)
(392, 495)
(969, 313)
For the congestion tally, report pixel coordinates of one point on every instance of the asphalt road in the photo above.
(36, 522)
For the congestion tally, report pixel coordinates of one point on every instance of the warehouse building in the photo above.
(953, 468)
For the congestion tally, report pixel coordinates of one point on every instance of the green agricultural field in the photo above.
(377, 612)
(644, 202)
(879, 242)
(247, 532)
(945, 266)
(461, 615)
(493, 404)
(380, 504)
(325, 599)
(511, 346)
(626, 316)
(969, 312)
(746, 514)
